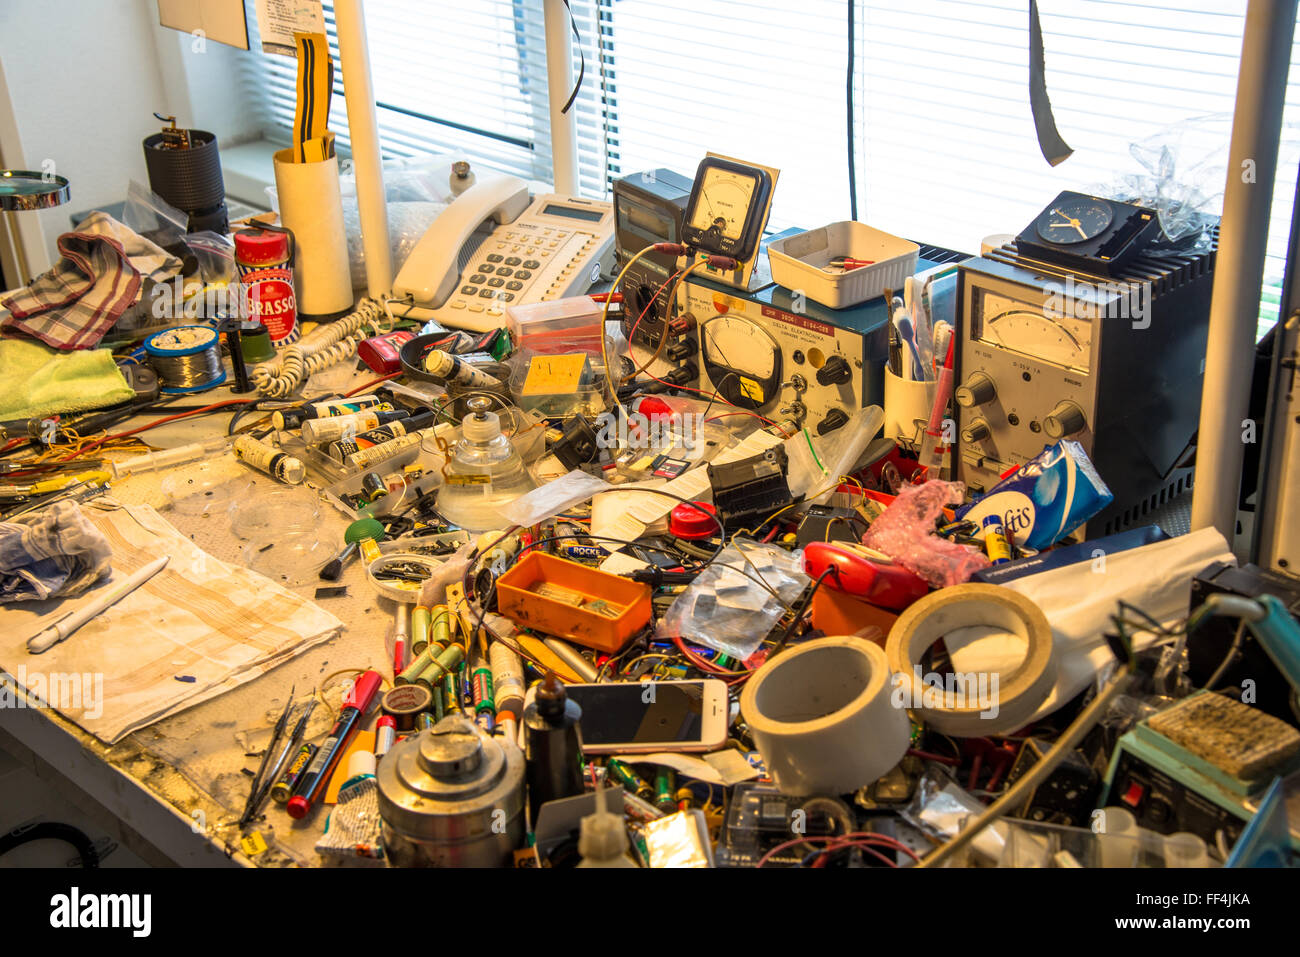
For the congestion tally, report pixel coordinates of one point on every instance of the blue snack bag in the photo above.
(1046, 498)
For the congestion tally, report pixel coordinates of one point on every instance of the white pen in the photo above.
(73, 620)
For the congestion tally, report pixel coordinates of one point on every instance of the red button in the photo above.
(1133, 796)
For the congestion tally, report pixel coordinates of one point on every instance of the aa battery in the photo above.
(282, 789)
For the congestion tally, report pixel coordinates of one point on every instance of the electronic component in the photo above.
(1209, 645)
(1044, 355)
(760, 819)
(825, 523)
(1198, 765)
(787, 357)
(649, 208)
(630, 717)
(1089, 234)
(1069, 794)
(751, 490)
(727, 208)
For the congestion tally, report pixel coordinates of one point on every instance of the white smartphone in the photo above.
(637, 717)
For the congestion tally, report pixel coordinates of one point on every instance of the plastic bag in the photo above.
(817, 463)
(416, 190)
(727, 610)
(905, 532)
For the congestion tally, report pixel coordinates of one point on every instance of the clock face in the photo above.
(1074, 221)
(725, 200)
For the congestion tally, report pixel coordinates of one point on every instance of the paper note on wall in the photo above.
(279, 20)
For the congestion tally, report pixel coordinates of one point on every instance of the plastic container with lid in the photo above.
(560, 325)
(485, 472)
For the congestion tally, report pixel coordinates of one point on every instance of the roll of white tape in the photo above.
(822, 718)
(972, 705)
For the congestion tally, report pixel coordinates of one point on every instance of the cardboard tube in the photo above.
(311, 206)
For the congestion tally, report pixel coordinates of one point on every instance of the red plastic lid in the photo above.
(261, 247)
(686, 521)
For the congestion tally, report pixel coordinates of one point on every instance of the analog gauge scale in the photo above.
(742, 359)
(727, 208)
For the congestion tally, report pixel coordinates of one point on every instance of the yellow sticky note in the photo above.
(548, 375)
(751, 389)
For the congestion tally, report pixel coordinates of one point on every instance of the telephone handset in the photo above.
(543, 247)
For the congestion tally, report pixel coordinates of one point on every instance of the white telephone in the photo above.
(546, 247)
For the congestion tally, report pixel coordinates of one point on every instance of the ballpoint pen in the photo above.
(256, 786)
(73, 620)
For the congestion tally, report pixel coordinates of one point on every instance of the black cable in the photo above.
(802, 610)
(853, 173)
(54, 831)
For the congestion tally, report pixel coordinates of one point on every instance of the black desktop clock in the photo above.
(1089, 234)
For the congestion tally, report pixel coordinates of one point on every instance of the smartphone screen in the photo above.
(642, 713)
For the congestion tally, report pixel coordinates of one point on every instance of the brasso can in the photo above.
(264, 258)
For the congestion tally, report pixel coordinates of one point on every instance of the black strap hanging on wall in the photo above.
(1055, 149)
(582, 60)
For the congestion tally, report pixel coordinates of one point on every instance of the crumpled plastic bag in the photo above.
(905, 532)
(52, 553)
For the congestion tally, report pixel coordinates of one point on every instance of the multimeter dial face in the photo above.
(724, 203)
(742, 359)
(1062, 337)
(1074, 221)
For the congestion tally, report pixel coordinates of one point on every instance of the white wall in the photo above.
(79, 83)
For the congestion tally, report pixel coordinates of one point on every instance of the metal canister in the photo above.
(452, 796)
(264, 258)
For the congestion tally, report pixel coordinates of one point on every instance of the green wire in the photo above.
(808, 435)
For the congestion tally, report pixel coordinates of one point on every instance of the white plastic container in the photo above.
(798, 263)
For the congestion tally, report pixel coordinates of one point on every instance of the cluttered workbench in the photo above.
(814, 548)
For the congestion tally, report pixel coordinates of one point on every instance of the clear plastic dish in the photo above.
(200, 489)
(269, 511)
(291, 560)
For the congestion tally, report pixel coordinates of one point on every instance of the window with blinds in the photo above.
(943, 140)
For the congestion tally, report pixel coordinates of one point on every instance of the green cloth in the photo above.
(36, 380)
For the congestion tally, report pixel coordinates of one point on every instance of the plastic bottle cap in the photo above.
(298, 807)
(688, 522)
(261, 247)
(361, 762)
(654, 408)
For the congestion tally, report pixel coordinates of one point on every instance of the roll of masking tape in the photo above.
(972, 705)
(822, 718)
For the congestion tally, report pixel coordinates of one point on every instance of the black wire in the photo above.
(802, 610)
(853, 174)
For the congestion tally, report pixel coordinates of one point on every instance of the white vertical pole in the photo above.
(1238, 273)
(363, 130)
(559, 84)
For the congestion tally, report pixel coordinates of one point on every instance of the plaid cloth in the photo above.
(54, 552)
(74, 304)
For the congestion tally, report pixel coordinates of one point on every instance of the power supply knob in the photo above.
(835, 371)
(833, 420)
(1066, 419)
(976, 390)
(977, 431)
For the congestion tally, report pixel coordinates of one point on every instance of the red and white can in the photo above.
(264, 257)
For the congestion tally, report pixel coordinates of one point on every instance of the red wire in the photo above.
(153, 425)
(362, 388)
